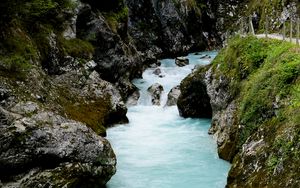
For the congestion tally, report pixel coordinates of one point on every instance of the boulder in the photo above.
(155, 91)
(205, 57)
(194, 100)
(48, 149)
(133, 99)
(181, 61)
(173, 96)
(157, 71)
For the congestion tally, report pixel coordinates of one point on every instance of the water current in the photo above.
(160, 149)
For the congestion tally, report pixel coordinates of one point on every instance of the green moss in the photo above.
(76, 48)
(17, 53)
(92, 113)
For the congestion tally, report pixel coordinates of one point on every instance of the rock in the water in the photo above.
(173, 96)
(49, 149)
(181, 61)
(133, 99)
(155, 90)
(157, 71)
(194, 100)
(205, 57)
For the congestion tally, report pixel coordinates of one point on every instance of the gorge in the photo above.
(158, 147)
(68, 68)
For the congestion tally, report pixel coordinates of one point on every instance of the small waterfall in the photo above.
(160, 149)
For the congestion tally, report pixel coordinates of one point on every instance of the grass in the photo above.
(76, 48)
(264, 77)
(263, 72)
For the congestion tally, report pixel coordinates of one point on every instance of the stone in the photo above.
(90, 65)
(133, 99)
(155, 91)
(50, 149)
(181, 61)
(173, 96)
(157, 71)
(194, 100)
(26, 108)
(205, 57)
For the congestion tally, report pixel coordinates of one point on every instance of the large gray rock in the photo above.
(117, 59)
(173, 96)
(181, 61)
(98, 88)
(133, 99)
(194, 100)
(47, 149)
(155, 91)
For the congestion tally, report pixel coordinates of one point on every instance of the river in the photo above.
(160, 149)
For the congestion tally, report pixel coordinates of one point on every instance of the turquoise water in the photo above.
(158, 148)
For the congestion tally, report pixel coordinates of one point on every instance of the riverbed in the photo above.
(160, 149)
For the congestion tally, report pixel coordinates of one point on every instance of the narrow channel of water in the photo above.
(158, 148)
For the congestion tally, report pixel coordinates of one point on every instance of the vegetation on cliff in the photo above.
(264, 78)
(253, 85)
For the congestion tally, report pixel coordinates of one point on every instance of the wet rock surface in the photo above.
(173, 96)
(133, 99)
(155, 91)
(194, 100)
(181, 61)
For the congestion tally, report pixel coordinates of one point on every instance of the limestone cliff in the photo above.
(253, 90)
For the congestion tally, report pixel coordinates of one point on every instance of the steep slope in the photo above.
(170, 27)
(253, 88)
(65, 71)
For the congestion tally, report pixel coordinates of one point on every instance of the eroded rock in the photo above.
(155, 91)
(181, 61)
(133, 99)
(173, 96)
(47, 148)
(157, 71)
(194, 100)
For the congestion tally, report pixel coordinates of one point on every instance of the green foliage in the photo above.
(33, 10)
(108, 6)
(114, 18)
(18, 53)
(39, 8)
(16, 63)
(266, 74)
(272, 162)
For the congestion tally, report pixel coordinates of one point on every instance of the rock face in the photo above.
(155, 91)
(133, 99)
(173, 96)
(170, 27)
(194, 100)
(49, 149)
(181, 61)
(249, 120)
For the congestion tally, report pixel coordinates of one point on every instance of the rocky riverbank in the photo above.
(65, 73)
(252, 86)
